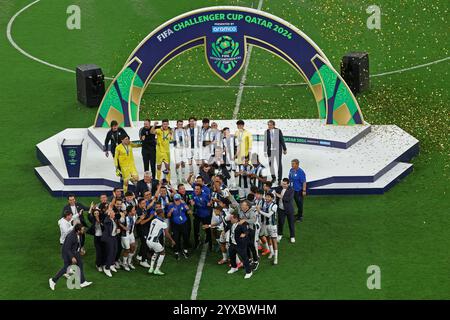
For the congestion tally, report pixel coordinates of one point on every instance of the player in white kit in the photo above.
(194, 148)
(180, 139)
(269, 226)
(206, 140)
(127, 225)
(229, 148)
(158, 229)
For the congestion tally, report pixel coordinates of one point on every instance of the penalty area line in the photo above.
(16, 46)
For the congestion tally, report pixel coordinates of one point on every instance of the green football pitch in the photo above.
(405, 231)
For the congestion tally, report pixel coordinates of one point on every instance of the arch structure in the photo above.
(225, 32)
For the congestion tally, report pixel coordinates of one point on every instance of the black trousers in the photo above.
(189, 229)
(118, 247)
(99, 251)
(83, 239)
(110, 252)
(149, 156)
(180, 232)
(251, 249)
(68, 262)
(240, 250)
(198, 221)
(282, 215)
(298, 198)
(143, 248)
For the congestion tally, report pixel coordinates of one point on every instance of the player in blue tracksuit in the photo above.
(177, 214)
(202, 214)
(297, 178)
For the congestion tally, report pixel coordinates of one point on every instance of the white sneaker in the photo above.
(125, 266)
(138, 258)
(117, 265)
(113, 269)
(292, 240)
(144, 264)
(158, 272)
(279, 238)
(107, 272)
(100, 269)
(233, 270)
(131, 266)
(85, 284)
(248, 275)
(150, 270)
(275, 261)
(270, 256)
(52, 284)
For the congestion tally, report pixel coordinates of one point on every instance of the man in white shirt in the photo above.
(65, 226)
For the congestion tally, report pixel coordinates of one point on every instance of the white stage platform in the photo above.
(361, 159)
(304, 131)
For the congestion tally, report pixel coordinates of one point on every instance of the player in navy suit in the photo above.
(71, 256)
(239, 241)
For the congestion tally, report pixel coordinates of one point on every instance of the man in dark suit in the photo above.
(115, 136)
(274, 148)
(146, 184)
(71, 256)
(77, 210)
(74, 206)
(109, 239)
(285, 202)
(148, 138)
(239, 241)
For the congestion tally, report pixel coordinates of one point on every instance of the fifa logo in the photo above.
(226, 51)
(72, 156)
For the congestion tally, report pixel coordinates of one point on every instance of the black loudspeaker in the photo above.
(90, 85)
(355, 71)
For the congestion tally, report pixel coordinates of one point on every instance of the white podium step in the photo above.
(381, 185)
(57, 188)
(374, 158)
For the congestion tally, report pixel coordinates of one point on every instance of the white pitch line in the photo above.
(198, 275)
(410, 68)
(244, 75)
(16, 46)
(242, 83)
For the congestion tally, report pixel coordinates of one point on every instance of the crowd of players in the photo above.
(233, 207)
